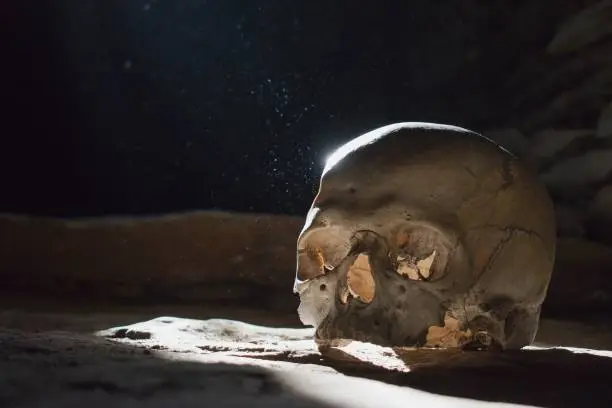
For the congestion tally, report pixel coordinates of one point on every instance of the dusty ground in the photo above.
(131, 359)
(64, 341)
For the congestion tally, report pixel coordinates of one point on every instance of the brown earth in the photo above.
(212, 260)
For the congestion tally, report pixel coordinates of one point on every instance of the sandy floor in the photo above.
(178, 362)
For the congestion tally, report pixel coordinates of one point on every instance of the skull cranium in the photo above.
(425, 235)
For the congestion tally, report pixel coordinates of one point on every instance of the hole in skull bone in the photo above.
(359, 281)
(448, 336)
(421, 253)
(414, 268)
(323, 286)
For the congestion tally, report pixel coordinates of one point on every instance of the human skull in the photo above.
(425, 235)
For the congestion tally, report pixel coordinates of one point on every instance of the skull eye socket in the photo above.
(417, 269)
(421, 254)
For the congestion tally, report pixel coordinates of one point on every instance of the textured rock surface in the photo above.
(547, 143)
(599, 216)
(185, 363)
(557, 93)
(588, 26)
(579, 172)
(560, 96)
(604, 124)
(546, 64)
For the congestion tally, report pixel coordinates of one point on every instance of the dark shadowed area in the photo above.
(157, 106)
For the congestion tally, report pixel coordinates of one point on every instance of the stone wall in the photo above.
(567, 83)
(200, 258)
(557, 117)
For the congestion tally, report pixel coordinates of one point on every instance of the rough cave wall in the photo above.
(557, 99)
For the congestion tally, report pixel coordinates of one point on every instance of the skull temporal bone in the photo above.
(419, 228)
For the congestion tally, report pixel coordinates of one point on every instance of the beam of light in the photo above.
(291, 357)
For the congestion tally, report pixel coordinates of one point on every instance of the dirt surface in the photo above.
(130, 359)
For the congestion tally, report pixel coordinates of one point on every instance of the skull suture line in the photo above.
(425, 235)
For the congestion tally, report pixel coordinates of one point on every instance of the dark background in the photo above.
(131, 107)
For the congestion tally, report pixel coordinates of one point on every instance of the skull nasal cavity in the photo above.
(360, 281)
